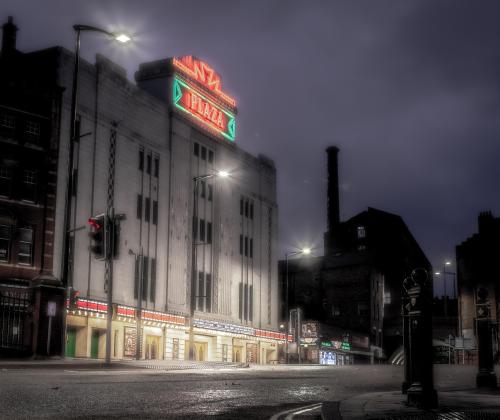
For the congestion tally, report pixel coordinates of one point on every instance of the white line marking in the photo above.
(296, 410)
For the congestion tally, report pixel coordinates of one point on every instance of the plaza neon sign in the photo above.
(204, 74)
(204, 110)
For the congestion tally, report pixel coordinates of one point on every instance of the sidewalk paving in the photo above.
(453, 404)
(93, 364)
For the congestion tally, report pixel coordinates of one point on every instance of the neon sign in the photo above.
(207, 112)
(204, 74)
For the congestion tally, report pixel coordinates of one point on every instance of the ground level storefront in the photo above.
(161, 336)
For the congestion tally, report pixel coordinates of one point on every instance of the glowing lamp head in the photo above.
(447, 263)
(437, 273)
(306, 251)
(123, 38)
(222, 174)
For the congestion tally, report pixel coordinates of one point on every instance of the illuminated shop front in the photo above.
(164, 336)
(335, 353)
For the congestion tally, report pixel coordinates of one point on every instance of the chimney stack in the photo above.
(333, 212)
(9, 37)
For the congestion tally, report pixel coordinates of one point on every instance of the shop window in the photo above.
(5, 240)
(5, 181)
(175, 348)
(25, 253)
(224, 353)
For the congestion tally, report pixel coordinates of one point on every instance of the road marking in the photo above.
(290, 414)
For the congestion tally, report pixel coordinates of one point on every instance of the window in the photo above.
(148, 165)
(246, 246)
(387, 298)
(251, 210)
(202, 230)
(145, 278)
(208, 292)
(32, 131)
(361, 247)
(155, 212)
(147, 205)
(209, 232)
(195, 228)
(246, 208)
(7, 121)
(250, 303)
(152, 288)
(196, 149)
(203, 152)
(203, 187)
(141, 160)
(240, 302)
(139, 206)
(157, 167)
(241, 244)
(210, 156)
(5, 242)
(136, 276)
(29, 184)
(245, 302)
(201, 294)
(210, 192)
(363, 310)
(241, 206)
(251, 248)
(361, 232)
(25, 254)
(335, 310)
(5, 181)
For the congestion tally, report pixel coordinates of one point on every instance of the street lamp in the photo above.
(444, 273)
(196, 180)
(302, 251)
(66, 269)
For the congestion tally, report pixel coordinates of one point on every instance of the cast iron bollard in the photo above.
(486, 377)
(421, 392)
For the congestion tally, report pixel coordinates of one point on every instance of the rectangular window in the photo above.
(203, 152)
(32, 131)
(145, 278)
(208, 293)
(5, 181)
(202, 230)
(241, 206)
(361, 232)
(157, 167)
(245, 303)
(195, 228)
(152, 288)
(251, 248)
(203, 185)
(246, 208)
(29, 184)
(201, 293)
(7, 121)
(141, 160)
(210, 192)
(240, 302)
(209, 232)
(246, 246)
(251, 210)
(5, 242)
(136, 276)
(196, 149)
(148, 165)
(25, 253)
(241, 244)
(250, 303)
(155, 212)
(139, 206)
(210, 156)
(147, 205)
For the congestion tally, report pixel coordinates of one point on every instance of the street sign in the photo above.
(51, 308)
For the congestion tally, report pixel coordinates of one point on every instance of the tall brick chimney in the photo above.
(333, 212)
(9, 37)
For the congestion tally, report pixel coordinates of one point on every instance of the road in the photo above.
(254, 393)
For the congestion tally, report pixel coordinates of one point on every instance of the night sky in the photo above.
(409, 91)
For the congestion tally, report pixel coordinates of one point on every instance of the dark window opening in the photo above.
(208, 293)
(152, 289)
(200, 291)
(148, 165)
(157, 167)
(251, 248)
(203, 153)
(246, 208)
(5, 241)
(5, 181)
(209, 232)
(210, 156)
(202, 230)
(155, 212)
(240, 302)
(145, 278)
(251, 211)
(196, 149)
(139, 206)
(210, 192)
(241, 244)
(141, 160)
(195, 228)
(246, 246)
(25, 252)
(147, 205)
(202, 189)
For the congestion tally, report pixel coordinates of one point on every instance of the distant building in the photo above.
(356, 287)
(140, 149)
(477, 267)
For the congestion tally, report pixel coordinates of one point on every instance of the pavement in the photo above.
(453, 404)
(93, 364)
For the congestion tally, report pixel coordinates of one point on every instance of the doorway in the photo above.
(94, 343)
(237, 351)
(71, 342)
(152, 345)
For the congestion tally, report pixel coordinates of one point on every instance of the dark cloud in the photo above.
(408, 90)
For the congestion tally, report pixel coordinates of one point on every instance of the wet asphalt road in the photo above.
(255, 393)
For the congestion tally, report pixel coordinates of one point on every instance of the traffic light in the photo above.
(73, 298)
(99, 235)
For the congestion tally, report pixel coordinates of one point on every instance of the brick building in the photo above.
(142, 146)
(355, 288)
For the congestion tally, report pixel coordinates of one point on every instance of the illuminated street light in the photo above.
(66, 269)
(196, 179)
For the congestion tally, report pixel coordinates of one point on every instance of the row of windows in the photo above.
(21, 243)
(245, 307)
(246, 207)
(203, 153)
(246, 246)
(30, 128)
(148, 207)
(338, 309)
(27, 179)
(204, 292)
(202, 230)
(149, 160)
(148, 269)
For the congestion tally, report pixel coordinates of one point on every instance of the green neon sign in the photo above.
(204, 110)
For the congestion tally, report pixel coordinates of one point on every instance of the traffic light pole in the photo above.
(109, 281)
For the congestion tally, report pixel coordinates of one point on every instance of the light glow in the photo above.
(223, 174)
(124, 38)
(306, 251)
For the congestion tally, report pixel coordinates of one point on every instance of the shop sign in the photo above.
(345, 346)
(310, 329)
(129, 342)
(162, 317)
(205, 75)
(91, 305)
(326, 344)
(220, 326)
(203, 110)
